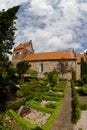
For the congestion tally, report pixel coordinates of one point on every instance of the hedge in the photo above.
(83, 106)
(76, 112)
(49, 123)
(51, 98)
(15, 105)
(36, 105)
(25, 125)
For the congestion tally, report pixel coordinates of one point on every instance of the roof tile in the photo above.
(50, 56)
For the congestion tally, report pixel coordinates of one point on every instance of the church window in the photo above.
(41, 67)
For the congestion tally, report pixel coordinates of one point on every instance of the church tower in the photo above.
(21, 51)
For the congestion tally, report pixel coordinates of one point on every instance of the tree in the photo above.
(22, 68)
(6, 43)
(83, 67)
(32, 73)
(7, 29)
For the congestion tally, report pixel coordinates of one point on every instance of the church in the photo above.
(61, 61)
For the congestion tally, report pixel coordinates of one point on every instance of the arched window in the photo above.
(41, 67)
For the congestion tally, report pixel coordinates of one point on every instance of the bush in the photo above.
(36, 105)
(51, 105)
(32, 73)
(19, 94)
(16, 105)
(76, 113)
(49, 123)
(51, 98)
(25, 125)
(24, 88)
(83, 106)
(52, 77)
(82, 90)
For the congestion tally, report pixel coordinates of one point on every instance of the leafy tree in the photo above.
(32, 73)
(52, 77)
(7, 30)
(83, 67)
(6, 43)
(73, 75)
(22, 68)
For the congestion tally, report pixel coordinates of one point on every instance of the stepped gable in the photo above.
(50, 56)
(23, 45)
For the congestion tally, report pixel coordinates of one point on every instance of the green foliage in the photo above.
(84, 79)
(83, 106)
(24, 88)
(82, 90)
(83, 67)
(76, 113)
(33, 83)
(25, 125)
(15, 105)
(51, 98)
(7, 29)
(73, 75)
(52, 77)
(51, 105)
(32, 73)
(54, 94)
(6, 43)
(49, 123)
(19, 94)
(36, 105)
(22, 68)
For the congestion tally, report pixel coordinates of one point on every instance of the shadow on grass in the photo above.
(37, 128)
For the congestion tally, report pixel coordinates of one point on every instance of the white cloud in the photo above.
(51, 24)
(5, 4)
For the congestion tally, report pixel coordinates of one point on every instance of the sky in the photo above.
(52, 25)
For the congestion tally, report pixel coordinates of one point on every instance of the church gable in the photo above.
(21, 51)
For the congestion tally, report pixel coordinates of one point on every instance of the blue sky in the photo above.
(52, 25)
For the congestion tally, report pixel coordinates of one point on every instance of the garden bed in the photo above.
(36, 117)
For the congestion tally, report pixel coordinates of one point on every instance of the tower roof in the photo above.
(22, 45)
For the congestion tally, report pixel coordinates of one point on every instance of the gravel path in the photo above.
(63, 120)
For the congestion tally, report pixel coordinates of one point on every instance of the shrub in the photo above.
(51, 98)
(25, 125)
(49, 123)
(52, 77)
(83, 106)
(32, 73)
(82, 90)
(51, 105)
(16, 105)
(24, 88)
(36, 105)
(19, 93)
(76, 113)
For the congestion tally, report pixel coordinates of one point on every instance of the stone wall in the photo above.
(51, 65)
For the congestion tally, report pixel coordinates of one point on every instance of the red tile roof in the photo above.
(50, 56)
(79, 56)
(22, 45)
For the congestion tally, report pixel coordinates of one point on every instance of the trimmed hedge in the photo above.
(15, 105)
(76, 112)
(51, 98)
(25, 125)
(83, 106)
(49, 123)
(36, 105)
